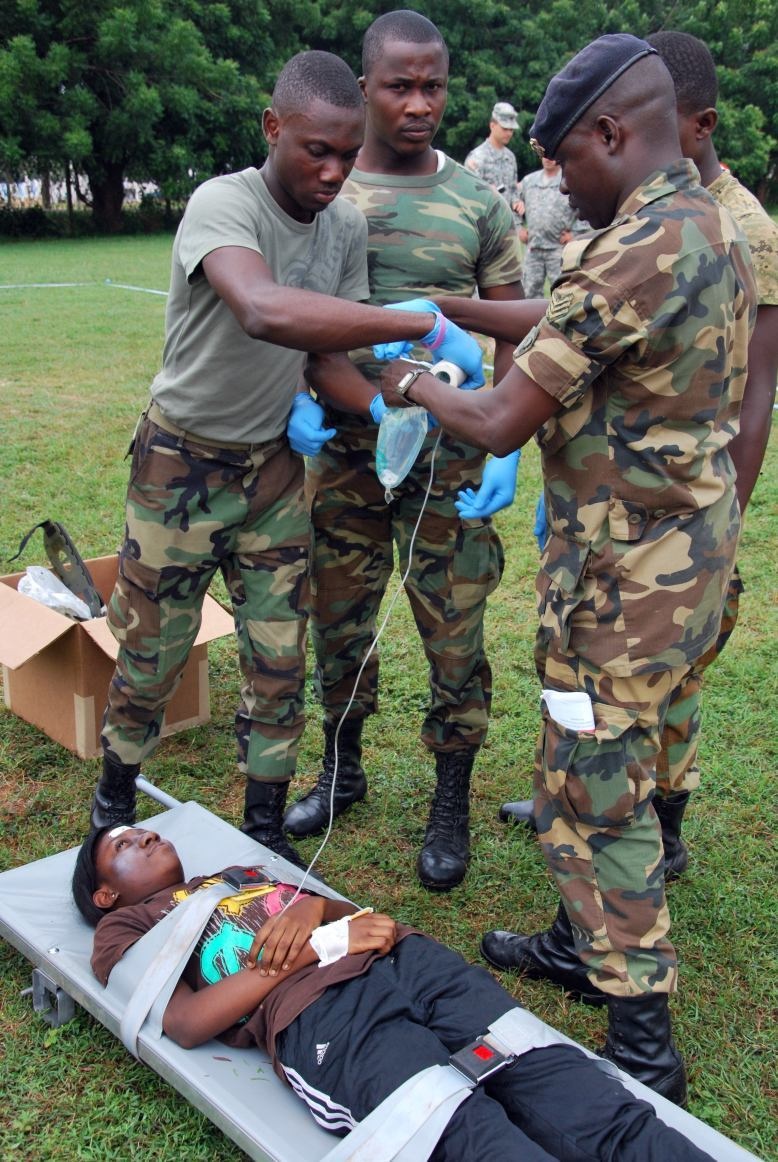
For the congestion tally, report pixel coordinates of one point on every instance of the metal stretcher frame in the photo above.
(236, 1089)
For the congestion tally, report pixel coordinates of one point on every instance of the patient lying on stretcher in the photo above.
(349, 1009)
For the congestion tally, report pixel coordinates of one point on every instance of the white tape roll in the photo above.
(448, 372)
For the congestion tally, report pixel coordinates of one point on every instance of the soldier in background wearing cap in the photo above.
(492, 161)
(632, 380)
(547, 226)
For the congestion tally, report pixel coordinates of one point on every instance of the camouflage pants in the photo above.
(676, 764)
(540, 265)
(192, 509)
(456, 565)
(598, 830)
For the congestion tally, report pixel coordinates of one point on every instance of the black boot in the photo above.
(310, 815)
(519, 812)
(114, 798)
(263, 815)
(443, 859)
(548, 955)
(670, 811)
(640, 1042)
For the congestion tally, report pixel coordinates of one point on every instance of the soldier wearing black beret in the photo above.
(631, 377)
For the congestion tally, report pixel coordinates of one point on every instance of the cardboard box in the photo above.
(56, 672)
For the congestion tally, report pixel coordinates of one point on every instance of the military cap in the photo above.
(504, 114)
(580, 83)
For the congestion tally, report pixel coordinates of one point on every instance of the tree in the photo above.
(141, 89)
(171, 91)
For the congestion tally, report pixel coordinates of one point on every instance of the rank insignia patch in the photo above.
(559, 305)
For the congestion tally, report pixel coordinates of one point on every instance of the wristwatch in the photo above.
(408, 380)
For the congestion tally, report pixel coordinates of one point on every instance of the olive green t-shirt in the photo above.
(215, 380)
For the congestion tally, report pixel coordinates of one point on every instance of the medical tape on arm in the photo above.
(330, 941)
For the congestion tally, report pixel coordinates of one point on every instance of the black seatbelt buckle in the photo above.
(479, 1060)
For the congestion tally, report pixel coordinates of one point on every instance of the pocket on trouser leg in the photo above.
(133, 613)
(154, 632)
(588, 774)
(475, 564)
(604, 848)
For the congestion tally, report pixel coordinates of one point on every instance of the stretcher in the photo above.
(236, 1089)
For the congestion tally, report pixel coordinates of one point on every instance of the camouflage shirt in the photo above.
(497, 167)
(547, 212)
(760, 230)
(644, 347)
(445, 233)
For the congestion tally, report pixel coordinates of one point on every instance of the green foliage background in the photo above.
(171, 91)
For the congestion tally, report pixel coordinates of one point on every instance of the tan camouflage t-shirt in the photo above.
(760, 230)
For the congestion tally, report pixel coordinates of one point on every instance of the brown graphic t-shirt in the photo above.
(223, 949)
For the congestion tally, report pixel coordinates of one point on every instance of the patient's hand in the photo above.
(374, 932)
(282, 938)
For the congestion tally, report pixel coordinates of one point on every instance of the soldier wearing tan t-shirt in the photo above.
(694, 75)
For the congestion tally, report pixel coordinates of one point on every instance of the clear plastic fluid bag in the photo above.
(400, 437)
(402, 430)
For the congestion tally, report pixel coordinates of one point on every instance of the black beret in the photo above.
(583, 79)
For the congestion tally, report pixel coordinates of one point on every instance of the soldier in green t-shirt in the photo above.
(267, 265)
(433, 228)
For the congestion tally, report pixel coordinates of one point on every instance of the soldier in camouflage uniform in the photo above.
(694, 75)
(547, 225)
(432, 227)
(634, 379)
(492, 161)
(215, 483)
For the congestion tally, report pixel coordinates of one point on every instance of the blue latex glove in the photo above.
(540, 527)
(400, 347)
(304, 430)
(377, 408)
(448, 341)
(445, 339)
(498, 488)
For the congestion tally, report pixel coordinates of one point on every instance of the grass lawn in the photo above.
(77, 365)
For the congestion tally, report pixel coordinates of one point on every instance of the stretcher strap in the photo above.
(408, 1124)
(175, 937)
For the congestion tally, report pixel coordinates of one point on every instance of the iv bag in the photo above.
(402, 430)
(400, 436)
